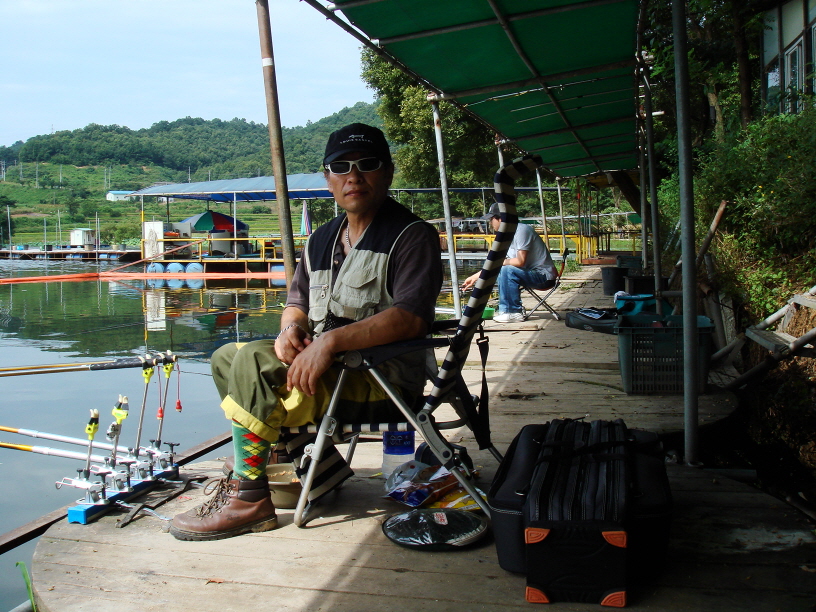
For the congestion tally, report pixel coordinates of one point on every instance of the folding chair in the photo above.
(541, 300)
(448, 385)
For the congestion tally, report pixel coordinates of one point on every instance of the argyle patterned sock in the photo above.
(251, 453)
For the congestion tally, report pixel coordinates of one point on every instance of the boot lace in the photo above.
(219, 489)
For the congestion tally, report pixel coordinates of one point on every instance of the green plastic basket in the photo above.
(650, 351)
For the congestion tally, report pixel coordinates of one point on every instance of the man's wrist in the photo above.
(290, 326)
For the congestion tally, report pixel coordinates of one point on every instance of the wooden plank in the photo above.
(771, 340)
(804, 300)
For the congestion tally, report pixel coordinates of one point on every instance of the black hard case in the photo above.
(583, 509)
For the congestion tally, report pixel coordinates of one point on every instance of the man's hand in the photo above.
(390, 325)
(470, 280)
(309, 365)
(290, 343)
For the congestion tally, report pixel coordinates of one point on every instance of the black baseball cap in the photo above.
(357, 137)
(493, 212)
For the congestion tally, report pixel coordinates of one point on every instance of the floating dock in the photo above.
(72, 254)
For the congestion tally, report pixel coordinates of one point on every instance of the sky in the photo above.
(68, 63)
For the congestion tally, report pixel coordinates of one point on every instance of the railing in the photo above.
(269, 249)
(257, 248)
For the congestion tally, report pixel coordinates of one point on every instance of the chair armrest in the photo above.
(365, 359)
(438, 327)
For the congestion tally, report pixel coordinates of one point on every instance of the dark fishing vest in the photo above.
(360, 289)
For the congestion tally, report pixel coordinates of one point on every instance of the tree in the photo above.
(72, 204)
(723, 42)
(407, 121)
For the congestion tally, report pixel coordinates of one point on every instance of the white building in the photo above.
(118, 196)
(83, 237)
(788, 52)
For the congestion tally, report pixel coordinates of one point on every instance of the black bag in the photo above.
(582, 508)
(601, 320)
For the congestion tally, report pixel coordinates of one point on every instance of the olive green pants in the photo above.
(251, 381)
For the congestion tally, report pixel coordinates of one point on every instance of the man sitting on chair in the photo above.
(528, 264)
(366, 278)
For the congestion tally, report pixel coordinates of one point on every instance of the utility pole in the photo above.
(276, 139)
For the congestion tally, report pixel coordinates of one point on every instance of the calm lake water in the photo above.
(75, 322)
(78, 322)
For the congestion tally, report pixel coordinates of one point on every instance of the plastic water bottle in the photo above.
(398, 447)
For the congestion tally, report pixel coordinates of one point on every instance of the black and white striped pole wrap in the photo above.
(505, 195)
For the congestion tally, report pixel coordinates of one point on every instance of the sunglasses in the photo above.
(366, 164)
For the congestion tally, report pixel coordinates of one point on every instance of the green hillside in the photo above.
(59, 181)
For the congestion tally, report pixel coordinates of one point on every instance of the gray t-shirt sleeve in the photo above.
(298, 295)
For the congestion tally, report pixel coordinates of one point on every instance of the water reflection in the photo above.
(115, 318)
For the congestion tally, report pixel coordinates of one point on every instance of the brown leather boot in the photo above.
(235, 507)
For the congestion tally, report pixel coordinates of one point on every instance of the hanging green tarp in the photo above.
(557, 77)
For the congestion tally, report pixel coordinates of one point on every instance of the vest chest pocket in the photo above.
(317, 293)
(361, 288)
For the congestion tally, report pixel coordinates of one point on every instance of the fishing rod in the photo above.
(53, 365)
(147, 374)
(55, 452)
(147, 361)
(31, 433)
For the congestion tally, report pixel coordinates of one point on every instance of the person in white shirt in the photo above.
(528, 264)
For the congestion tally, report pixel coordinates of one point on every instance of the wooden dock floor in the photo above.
(732, 547)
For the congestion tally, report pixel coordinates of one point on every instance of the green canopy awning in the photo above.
(557, 77)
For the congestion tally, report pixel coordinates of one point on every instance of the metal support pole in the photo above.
(650, 156)
(561, 214)
(690, 343)
(276, 140)
(543, 212)
(580, 229)
(443, 177)
(235, 228)
(644, 234)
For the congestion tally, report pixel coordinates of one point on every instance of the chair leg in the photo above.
(541, 301)
(352, 447)
(548, 307)
(424, 424)
(315, 451)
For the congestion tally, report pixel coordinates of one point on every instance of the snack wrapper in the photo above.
(418, 484)
(415, 484)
